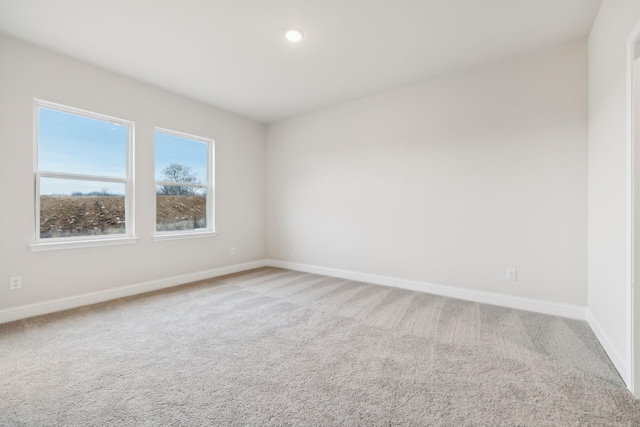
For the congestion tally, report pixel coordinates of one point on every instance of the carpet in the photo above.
(277, 347)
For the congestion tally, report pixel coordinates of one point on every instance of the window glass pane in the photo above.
(73, 208)
(74, 144)
(180, 208)
(180, 159)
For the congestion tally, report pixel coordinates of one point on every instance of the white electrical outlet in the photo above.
(233, 251)
(512, 274)
(295, 249)
(15, 283)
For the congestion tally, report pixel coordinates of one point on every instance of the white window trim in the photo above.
(210, 231)
(55, 243)
(182, 234)
(85, 243)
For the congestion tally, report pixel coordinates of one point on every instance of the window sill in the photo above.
(76, 244)
(180, 236)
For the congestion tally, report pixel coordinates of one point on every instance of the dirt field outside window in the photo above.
(74, 216)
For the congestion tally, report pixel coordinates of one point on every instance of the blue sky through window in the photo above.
(187, 152)
(75, 144)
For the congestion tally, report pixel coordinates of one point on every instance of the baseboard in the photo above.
(564, 310)
(618, 362)
(546, 307)
(45, 307)
(51, 306)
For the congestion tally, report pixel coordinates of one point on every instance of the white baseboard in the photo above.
(546, 307)
(45, 307)
(563, 310)
(618, 362)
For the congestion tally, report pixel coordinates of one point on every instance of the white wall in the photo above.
(449, 181)
(26, 73)
(607, 175)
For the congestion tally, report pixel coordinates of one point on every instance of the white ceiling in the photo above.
(232, 53)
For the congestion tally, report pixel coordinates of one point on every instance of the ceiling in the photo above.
(232, 53)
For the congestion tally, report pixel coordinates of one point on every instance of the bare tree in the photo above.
(178, 173)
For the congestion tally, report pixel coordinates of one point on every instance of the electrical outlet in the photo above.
(295, 249)
(233, 251)
(512, 274)
(15, 283)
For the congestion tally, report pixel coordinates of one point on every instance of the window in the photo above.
(83, 176)
(184, 185)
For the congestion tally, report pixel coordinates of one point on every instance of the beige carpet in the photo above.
(275, 347)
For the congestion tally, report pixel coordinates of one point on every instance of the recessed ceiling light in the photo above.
(294, 35)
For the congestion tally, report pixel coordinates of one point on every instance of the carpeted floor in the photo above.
(276, 347)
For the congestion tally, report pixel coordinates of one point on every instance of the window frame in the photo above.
(53, 243)
(210, 230)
